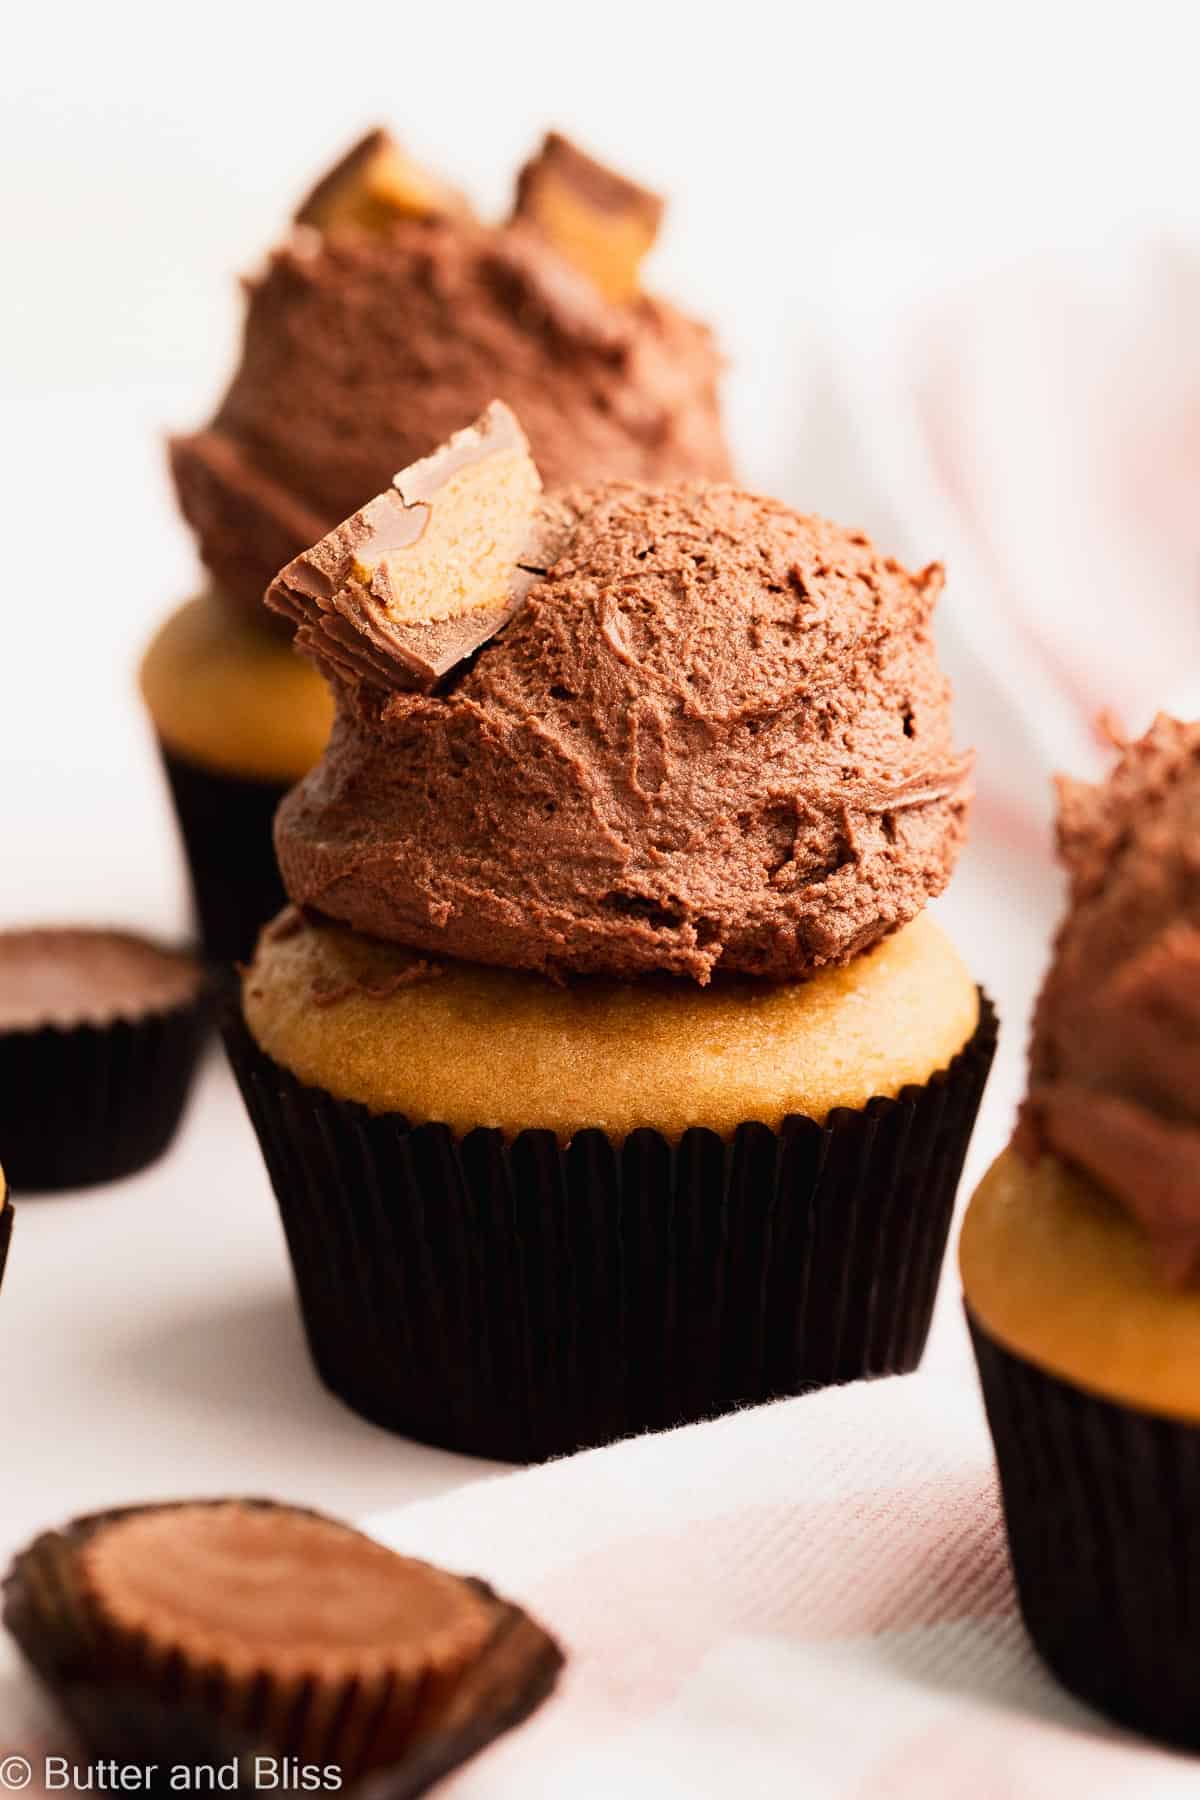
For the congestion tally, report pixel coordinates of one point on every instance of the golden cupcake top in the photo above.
(464, 1045)
(227, 694)
(1057, 1270)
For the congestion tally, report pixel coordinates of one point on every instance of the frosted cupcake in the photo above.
(608, 1070)
(1081, 1257)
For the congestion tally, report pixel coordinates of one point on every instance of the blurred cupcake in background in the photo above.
(238, 720)
(390, 316)
(1080, 1257)
(607, 1068)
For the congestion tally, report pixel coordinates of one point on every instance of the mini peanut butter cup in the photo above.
(99, 1034)
(375, 185)
(416, 581)
(241, 1628)
(601, 223)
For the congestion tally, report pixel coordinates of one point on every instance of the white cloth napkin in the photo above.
(806, 1599)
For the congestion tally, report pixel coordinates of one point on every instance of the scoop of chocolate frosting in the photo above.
(367, 345)
(1114, 1075)
(715, 735)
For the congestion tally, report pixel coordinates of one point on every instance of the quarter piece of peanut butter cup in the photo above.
(599, 222)
(241, 1628)
(412, 584)
(374, 184)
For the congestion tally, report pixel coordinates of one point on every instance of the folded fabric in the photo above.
(810, 1598)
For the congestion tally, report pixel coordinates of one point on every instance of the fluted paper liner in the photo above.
(1100, 1501)
(158, 1716)
(89, 1103)
(6, 1229)
(520, 1299)
(226, 822)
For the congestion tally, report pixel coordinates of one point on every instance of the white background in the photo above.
(822, 162)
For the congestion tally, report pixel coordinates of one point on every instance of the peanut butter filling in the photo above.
(600, 223)
(375, 184)
(416, 580)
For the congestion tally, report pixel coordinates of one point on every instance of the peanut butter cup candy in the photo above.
(232, 1630)
(607, 1068)
(389, 317)
(99, 1035)
(1080, 1253)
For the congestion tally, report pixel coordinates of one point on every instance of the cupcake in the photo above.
(1080, 1257)
(389, 317)
(607, 1069)
(99, 1035)
(270, 1641)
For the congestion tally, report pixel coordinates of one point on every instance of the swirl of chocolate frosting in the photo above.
(1114, 1067)
(391, 315)
(710, 734)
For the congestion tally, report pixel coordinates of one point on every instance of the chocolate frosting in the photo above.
(1114, 1068)
(715, 736)
(364, 350)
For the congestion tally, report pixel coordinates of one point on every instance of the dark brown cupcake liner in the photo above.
(6, 1229)
(1100, 1502)
(226, 822)
(520, 1299)
(125, 1721)
(93, 1103)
